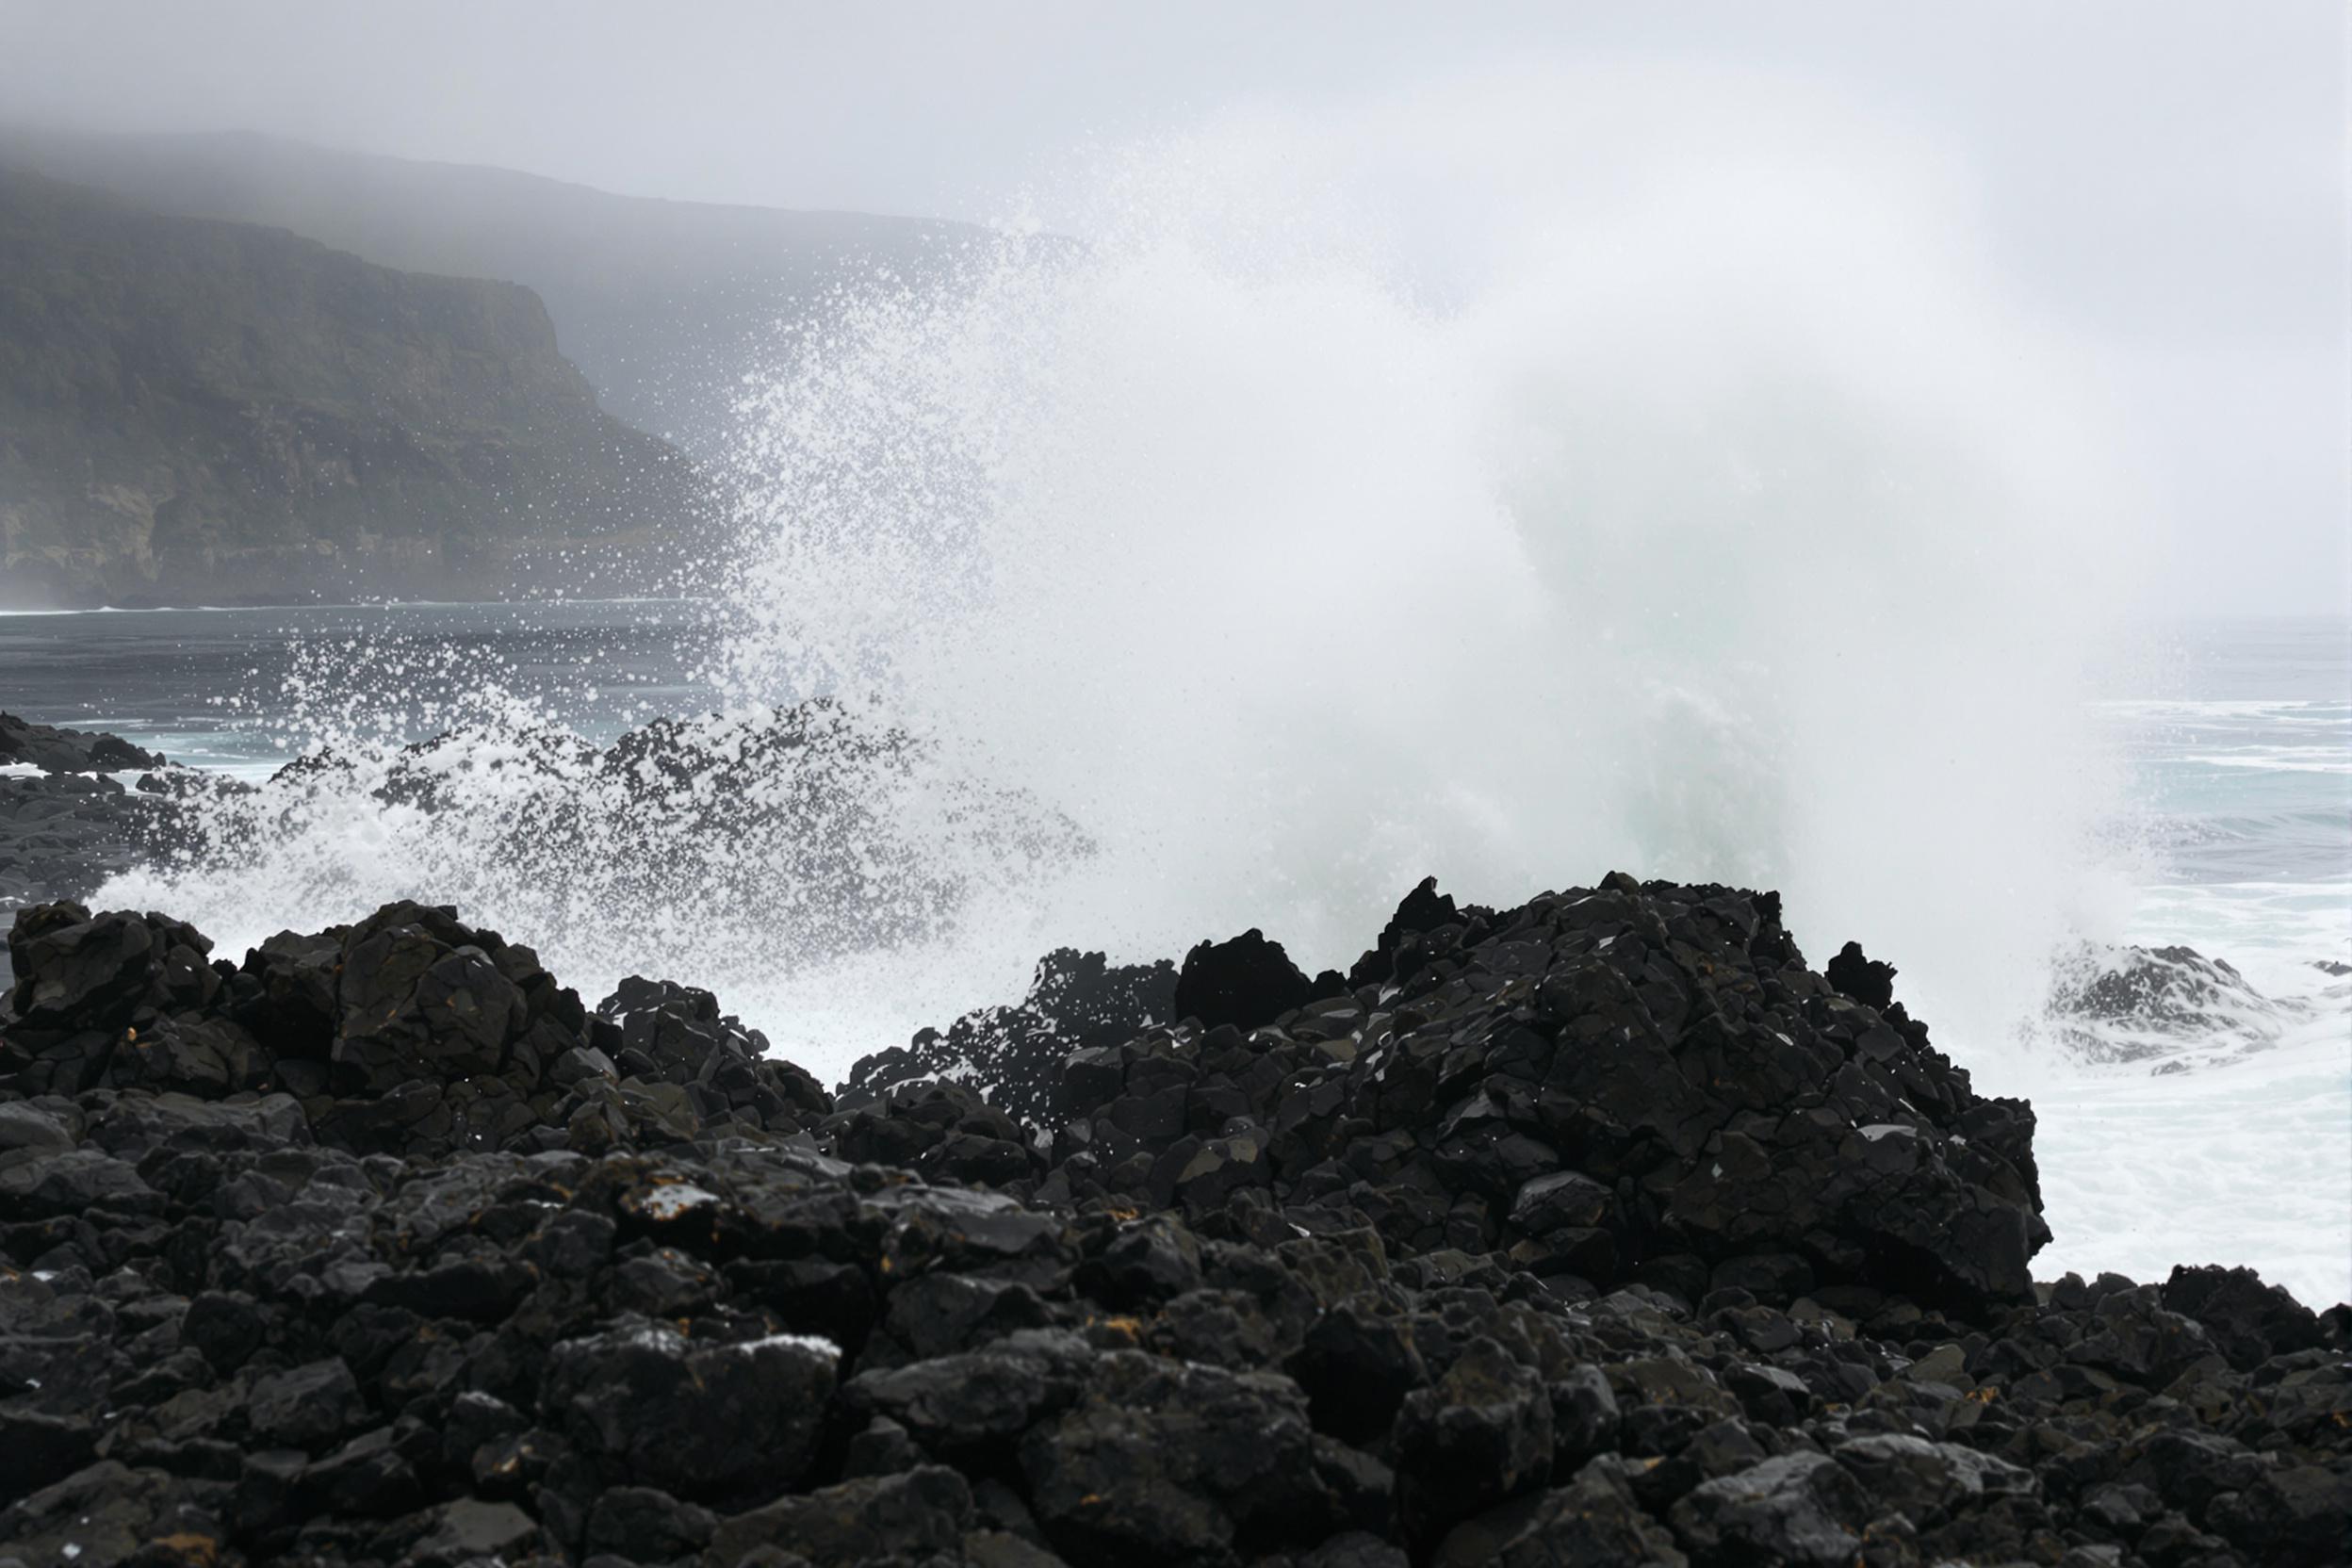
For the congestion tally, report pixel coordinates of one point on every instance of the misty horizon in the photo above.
(2160, 185)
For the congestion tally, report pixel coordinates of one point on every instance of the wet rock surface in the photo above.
(54, 750)
(823, 821)
(1012, 1057)
(64, 835)
(66, 823)
(1598, 1231)
(2171, 1007)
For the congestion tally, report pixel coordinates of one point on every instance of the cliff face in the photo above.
(665, 305)
(195, 411)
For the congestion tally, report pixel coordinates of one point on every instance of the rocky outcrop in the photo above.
(52, 750)
(1012, 1057)
(64, 835)
(66, 824)
(1625, 1083)
(380, 1247)
(2171, 1007)
(200, 412)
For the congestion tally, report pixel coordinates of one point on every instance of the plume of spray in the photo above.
(1553, 474)
(1560, 471)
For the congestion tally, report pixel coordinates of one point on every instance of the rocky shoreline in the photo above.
(66, 823)
(1599, 1231)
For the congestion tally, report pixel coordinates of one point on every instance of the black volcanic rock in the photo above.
(1854, 973)
(1014, 1056)
(1423, 909)
(1244, 982)
(408, 1032)
(1598, 1231)
(2165, 984)
(1594, 1082)
(54, 750)
(65, 831)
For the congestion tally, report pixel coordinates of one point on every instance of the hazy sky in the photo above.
(2166, 176)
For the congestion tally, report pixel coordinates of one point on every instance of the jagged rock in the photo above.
(1594, 1522)
(880, 1518)
(2151, 985)
(2126, 1004)
(1165, 1463)
(109, 1514)
(1357, 1364)
(720, 1420)
(1923, 1479)
(2298, 1515)
(956, 1404)
(1013, 1055)
(74, 1183)
(468, 1531)
(1795, 1509)
(2246, 1320)
(63, 835)
(1480, 1434)
(54, 750)
(642, 1524)
(305, 1407)
(1522, 1255)
(1865, 979)
(414, 990)
(1535, 1063)
(1244, 982)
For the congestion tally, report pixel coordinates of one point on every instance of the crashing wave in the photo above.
(2172, 1006)
(816, 828)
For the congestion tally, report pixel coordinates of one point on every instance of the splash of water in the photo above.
(1699, 517)
(1513, 483)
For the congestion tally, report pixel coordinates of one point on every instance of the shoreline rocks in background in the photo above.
(2172, 1006)
(1598, 1231)
(822, 826)
(68, 826)
(63, 835)
(54, 750)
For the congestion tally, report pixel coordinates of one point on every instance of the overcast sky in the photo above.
(2167, 176)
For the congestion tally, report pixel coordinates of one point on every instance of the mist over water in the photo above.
(1508, 484)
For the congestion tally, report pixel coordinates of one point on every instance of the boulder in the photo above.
(650, 1406)
(1245, 982)
(1796, 1509)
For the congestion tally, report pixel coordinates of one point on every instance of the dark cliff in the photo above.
(666, 305)
(194, 410)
